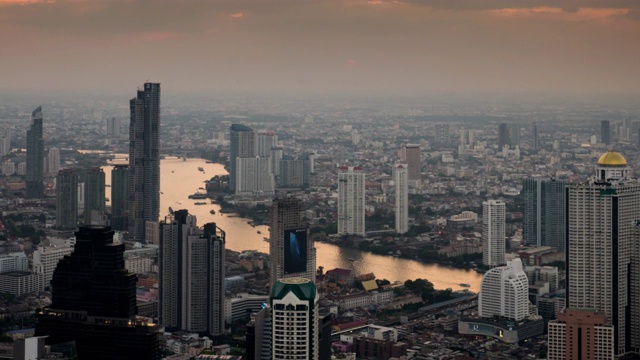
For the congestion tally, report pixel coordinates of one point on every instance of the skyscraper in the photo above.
(191, 284)
(35, 156)
(603, 251)
(514, 134)
(266, 141)
(113, 127)
(144, 160)
(294, 311)
(67, 199)
(503, 136)
(94, 302)
(351, 200)
(242, 143)
(544, 212)
(410, 155)
(94, 198)
(119, 197)
(536, 139)
(254, 176)
(53, 160)
(605, 132)
(493, 232)
(291, 249)
(504, 292)
(400, 180)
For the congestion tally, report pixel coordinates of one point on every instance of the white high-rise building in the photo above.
(266, 141)
(603, 250)
(45, 260)
(16, 261)
(351, 200)
(53, 161)
(5, 145)
(191, 284)
(493, 232)
(254, 176)
(401, 181)
(504, 292)
(294, 312)
(8, 167)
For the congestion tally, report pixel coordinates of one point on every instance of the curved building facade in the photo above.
(504, 292)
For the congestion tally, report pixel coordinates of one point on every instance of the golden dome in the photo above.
(612, 158)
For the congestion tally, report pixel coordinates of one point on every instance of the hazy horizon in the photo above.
(374, 48)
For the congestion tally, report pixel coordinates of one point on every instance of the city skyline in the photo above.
(370, 47)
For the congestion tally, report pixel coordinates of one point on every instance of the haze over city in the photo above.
(326, 47)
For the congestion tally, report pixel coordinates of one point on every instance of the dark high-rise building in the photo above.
(242, 143)
(536, 139)
(544, 212)
(35, 156)
(94, 302)
(144, 160)
(94, 198)
(503, 135)
(514, 134)
(192, 273)
(291, 250)
(67, 199)
(119, 197)
(410, 155)
(605, 132)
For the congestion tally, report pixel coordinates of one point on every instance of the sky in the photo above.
(362, 47)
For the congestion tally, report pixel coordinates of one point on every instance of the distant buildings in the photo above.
(294, 310)
(67, 199)
(254, 176)
(544, 212)
(503, 136)
(53, 161)
(493, 232)
(113, 127)
(94, 197)
(351, 200)
(401, 183)
(35, 157)
(291, 249)
(505, 292)
(191, 284)
(266, 142)
(536, 137)
(94, 303)
(144, 160)
(45, 260)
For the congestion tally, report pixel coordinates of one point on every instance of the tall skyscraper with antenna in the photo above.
(144, 160)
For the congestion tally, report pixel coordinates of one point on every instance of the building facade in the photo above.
(191, 284)
(144, 160)
(67, 199)
(295, 321)
(291, 249)
(119, 197)
(242, 143)
(401, 182)
(351, 200)
(35, 156)
(544, 212)
(580, 334)
(504, 292)
(410, 155)
(94, 197)
(493, 232)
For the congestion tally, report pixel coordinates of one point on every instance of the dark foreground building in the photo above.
(94, 302)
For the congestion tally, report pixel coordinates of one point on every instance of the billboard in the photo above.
(295, 251)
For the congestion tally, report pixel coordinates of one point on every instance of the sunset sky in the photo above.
(404, 47)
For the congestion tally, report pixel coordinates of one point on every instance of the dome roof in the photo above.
(612, 158)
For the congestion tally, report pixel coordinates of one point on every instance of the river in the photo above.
(179, 178)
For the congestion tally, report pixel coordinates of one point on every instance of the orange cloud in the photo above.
(237, 15)
(579, 15)
(23, 2)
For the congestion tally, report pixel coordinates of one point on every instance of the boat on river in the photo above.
(212, 212)
(465, 285)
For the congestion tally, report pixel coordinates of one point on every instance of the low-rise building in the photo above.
(21, 282)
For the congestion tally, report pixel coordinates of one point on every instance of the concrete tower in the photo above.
(67, 199)
(144, 160)
(119, 197)
(351, 200)
(410, 155)
(94, 198)
(544, 222)
(493, 232)
(53, 160)
(401, 182)
(291, 249)
(35, 156)
(504, 292)
(191, 284)
(242, 143)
